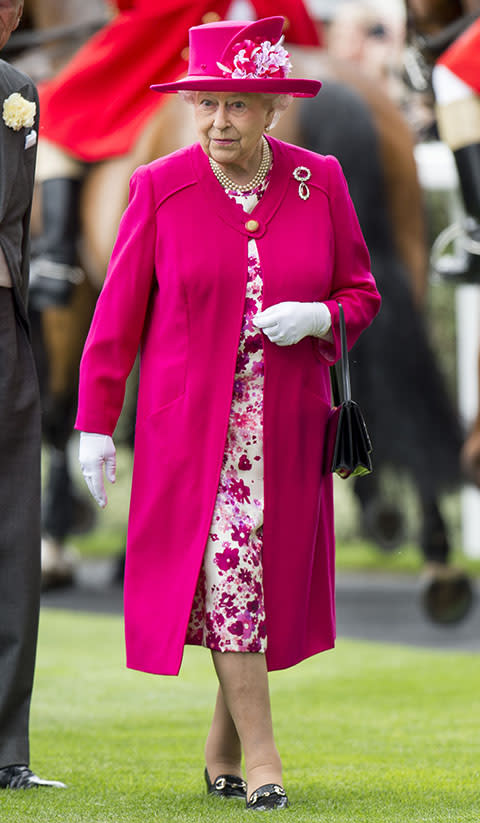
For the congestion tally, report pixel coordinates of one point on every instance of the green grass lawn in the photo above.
(367, 733)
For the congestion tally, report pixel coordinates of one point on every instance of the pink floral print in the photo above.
(228, 609)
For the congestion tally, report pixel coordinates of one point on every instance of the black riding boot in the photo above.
(465, 265)
(54, 273)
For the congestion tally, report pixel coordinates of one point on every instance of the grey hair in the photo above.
(278, 102)
(188, 96)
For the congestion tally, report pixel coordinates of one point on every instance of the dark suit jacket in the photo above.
(17, 168)
(19, 437)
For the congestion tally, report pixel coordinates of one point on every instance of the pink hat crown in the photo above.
(238, 49)
(242, 56)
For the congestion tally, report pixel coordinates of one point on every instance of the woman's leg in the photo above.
(223, 751)
(244, 683)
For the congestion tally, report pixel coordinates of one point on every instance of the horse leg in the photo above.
(447, 595)
(57, 499)
(58, 562)
(382, 521)
(63, 511)
(57, 505)
(434, 540)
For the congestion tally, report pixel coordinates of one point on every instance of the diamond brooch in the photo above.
(302, 174)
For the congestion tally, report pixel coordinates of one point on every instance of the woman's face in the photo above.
(230, 126)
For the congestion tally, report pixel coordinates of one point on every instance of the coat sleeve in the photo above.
(353, 284)
(117, 326)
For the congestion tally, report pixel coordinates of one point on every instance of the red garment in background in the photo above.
(463, 56)
(123, 5)
(98, 105)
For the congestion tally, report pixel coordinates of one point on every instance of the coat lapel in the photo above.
(9, 147)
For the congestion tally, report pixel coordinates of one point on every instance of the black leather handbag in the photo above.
(348, 447)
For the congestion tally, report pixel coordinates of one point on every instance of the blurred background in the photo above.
(377, 113)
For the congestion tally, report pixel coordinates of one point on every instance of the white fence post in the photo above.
(468, 340)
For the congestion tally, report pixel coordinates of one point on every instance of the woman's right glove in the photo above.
(95, 452)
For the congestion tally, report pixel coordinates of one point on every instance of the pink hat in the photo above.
(240, 56)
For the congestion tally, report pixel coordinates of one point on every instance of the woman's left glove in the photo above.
(288, 323)
(96, 452)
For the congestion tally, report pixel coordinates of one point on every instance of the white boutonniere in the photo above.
(19, 113)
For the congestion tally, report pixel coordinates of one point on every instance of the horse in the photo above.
(432, 25)
(391, 215)
(392, 363)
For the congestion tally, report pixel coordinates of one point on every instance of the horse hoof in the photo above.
(448, 596)
(384, 523)
(84, 515)
(58, 565)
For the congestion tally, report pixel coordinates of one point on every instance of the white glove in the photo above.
(95, 452)
(288, 323)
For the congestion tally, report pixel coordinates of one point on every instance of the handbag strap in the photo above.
(340, 372)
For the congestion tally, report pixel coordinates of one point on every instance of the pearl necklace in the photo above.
(262, 172)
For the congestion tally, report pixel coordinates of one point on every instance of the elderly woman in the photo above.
(226, 273)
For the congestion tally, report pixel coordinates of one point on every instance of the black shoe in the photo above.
(226, 785)
(21, 777)
(268, 797)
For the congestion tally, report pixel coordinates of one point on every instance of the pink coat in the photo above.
(176, 288)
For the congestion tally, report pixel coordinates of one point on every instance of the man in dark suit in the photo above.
(19, 422)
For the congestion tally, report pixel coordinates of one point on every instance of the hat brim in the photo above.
(297, 87)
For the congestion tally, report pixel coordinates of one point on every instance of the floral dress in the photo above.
(228, 610)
